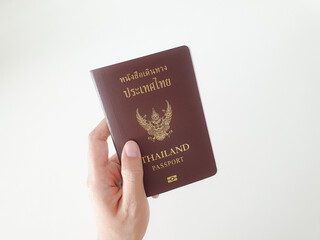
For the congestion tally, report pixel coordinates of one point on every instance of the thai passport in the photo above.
(154, 100)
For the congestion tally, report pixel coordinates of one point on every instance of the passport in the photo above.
(154, 100)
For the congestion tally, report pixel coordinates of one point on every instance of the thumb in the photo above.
(132, 172)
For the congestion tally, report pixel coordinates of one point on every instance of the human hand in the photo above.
(117, 192)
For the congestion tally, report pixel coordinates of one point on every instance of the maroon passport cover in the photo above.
(154, 100)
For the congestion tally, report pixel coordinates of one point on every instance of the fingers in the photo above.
(132, 173)
(101, 132)
(98, 150)
(114, 158)
(131, 166)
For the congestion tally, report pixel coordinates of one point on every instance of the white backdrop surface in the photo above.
(258, 70)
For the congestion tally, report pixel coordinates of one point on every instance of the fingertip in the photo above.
(131, 149)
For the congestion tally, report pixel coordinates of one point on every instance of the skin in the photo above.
(116, 189)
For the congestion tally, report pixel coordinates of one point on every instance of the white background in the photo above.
(258, 70)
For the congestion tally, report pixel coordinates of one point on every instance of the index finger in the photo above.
(101, 132)
(98, 148)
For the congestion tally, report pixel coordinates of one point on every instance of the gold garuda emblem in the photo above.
(158, 127)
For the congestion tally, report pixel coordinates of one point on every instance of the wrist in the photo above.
(117, 237)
